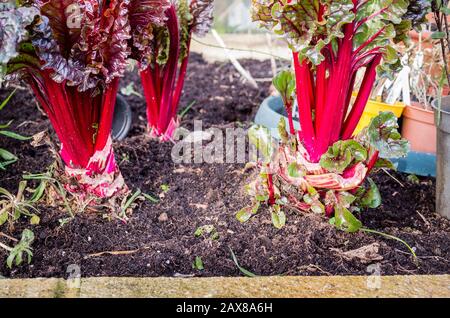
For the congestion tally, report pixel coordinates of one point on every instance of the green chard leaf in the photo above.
(293, 170)
(247, 212)
(3, 217)
(342, 154)
(301, 26)
(344, 220)
(284, 82)
(384, 163)
(312, 198)
(382, 134)
(278, 216)
(345, 198)
(383, 23)
(372, 197)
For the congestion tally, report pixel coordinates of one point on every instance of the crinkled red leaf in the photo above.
(103, 44)
(144, 16)
(64, 18)
(49, 52)
(83, 42)
(202, 12)
(144, 12)
(13, 23)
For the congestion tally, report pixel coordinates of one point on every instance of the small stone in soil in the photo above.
(163, 217)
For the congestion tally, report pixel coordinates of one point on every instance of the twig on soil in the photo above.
(183, 275)
(312, 267)
(26, 122)
(264, 80)
(395, 179)
(246, 74)
(8, 237)
(423, 218)
(410, 271)
(273, 63)
(365, 254)
(18, 87)
(6, 247)
(116, 252)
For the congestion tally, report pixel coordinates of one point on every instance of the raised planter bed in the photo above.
(238, 287)
(159, 240)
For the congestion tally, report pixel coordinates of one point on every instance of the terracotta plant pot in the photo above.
(427, 43)
(419, 128)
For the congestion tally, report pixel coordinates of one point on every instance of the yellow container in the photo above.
(373, 108)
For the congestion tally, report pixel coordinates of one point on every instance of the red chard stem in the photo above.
(362, 98)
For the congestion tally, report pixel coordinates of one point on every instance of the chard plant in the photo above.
(72, 54)
(321, 168)
(162, 53)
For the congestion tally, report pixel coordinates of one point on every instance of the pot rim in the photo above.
(436, 109)
(419, 114)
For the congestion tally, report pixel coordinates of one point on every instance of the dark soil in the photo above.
(159, 238)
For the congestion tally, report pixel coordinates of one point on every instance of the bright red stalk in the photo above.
(106, 115)
(290, 117)
(271, 200)
(339, 83)
(163, 84)
(170, 73)
(362, 98)
(150, 96)
(304, 100)
(321, 92)
(373, 160)
(82, 122)
(180, 81)
(349, 94)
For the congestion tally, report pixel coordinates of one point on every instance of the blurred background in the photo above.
(233, 23)
(233, 16)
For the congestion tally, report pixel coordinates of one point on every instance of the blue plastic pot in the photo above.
(272, 109)
(418, 163)
(123, 118)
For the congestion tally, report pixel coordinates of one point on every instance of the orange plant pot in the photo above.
(419, 128)
(427, 42)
